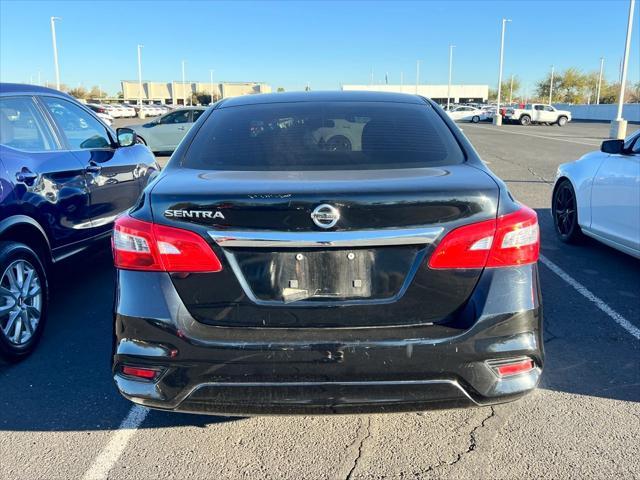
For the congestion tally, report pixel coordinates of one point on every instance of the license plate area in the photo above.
(329, 275)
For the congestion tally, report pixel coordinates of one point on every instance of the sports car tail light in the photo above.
(509, 240)
(139, 245)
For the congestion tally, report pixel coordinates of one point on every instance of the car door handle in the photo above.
(26, 176)
(93, 168)
(181, 128)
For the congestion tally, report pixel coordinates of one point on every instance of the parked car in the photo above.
(64, 177)
(127, 111)
(165, 133)
(537, 113)
(397, 275)
(599, 196)
(113, 110)
(101, 112)
(467, 114)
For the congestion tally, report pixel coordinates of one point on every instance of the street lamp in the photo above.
(184, 88)
(600, 80)
(55, 50)
(497, 119)
(451, 47)
(211, 73)
(619, 125)
(417, 75)
(140, 111)
(551, 86)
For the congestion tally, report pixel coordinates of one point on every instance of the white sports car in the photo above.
(599, 196)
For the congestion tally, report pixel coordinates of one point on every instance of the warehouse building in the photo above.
(176, 92)
(438, 93)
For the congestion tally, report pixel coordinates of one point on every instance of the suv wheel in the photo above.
(23, 300)
(525, 120)
(562, 121)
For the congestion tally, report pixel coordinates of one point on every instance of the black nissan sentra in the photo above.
(326, 253)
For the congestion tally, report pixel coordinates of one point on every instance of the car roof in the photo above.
(29, 89)
(336, 96)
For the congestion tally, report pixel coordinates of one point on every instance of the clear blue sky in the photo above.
(324, 43)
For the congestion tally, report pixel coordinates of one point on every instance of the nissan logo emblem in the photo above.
(325, 216)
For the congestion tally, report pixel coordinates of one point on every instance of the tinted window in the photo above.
(196, 115)
(81, 129)
(323, 136)
(22, 126)
(181, 116)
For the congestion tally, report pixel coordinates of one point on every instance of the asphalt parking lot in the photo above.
(61, 417)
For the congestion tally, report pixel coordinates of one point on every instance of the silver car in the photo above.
(165, 133)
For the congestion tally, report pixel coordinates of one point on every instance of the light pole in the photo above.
(211, 73)
(55, 50)
(140, 111)
(497, 119)
(511, 90)
(551, 86)
(619, 125)
(417, 74)
(184, 88)
(599, 80)
(451, 47)
(401, 82)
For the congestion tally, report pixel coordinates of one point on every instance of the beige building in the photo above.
(438, 93)
(175, 92)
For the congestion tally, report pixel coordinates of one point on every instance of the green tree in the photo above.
(280, 89)
(96, 92)
(79, 92)
(634, 93)
(203, 98)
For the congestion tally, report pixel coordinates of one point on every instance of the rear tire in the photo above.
(23, 301)
(475, 119)
(564, 207)
(525, 120)
(562, 121)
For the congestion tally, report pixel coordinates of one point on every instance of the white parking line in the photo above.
(110, 454)
(537, 136)
(582, 290)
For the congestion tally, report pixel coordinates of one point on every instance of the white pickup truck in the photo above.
(537, 113)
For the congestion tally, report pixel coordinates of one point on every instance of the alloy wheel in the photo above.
(20, 302)
(565, 210)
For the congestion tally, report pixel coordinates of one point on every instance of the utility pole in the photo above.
(619, 125)
(451, 47)
(551, 86)
(417, 75)
(211, 73)
(140, 111)
(599, 80)
(55, 50)
(371, 81)
(184, 88)
(497, 119)
(511, 90)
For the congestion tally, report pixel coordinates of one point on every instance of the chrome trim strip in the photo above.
(452, 383)
(356, 238)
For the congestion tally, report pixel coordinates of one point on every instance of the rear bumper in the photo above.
(238, 371)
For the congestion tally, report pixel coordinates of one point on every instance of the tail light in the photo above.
(510, 240)
(140, 372)
(139, 245)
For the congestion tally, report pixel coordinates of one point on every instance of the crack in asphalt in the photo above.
(360, 448)
(473, 443)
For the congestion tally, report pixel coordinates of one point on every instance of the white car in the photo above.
(467, 114)
(114, 111)
(100, 111)
(126, 110)
(599, 196)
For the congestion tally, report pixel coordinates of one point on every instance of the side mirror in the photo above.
(126, 137)
(612, 146)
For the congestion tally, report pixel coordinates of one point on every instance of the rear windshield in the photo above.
(323, 136)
